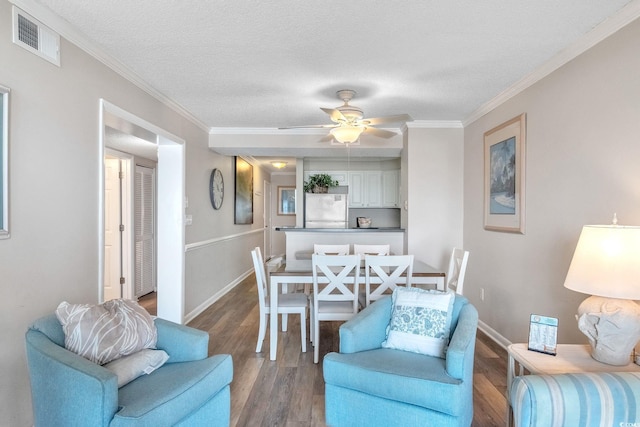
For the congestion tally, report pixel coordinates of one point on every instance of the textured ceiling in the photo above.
(252, 64)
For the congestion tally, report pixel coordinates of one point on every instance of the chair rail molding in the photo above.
(204, 243)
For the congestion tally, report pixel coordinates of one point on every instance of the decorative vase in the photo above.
(319, 189)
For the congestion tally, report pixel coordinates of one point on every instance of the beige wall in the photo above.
(583, 151)
(434, 167)
(52, 254)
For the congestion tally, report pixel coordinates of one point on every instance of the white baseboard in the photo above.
(494, 335)
(215, 297)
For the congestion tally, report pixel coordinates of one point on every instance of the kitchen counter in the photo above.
(300, 241)
(342, 230)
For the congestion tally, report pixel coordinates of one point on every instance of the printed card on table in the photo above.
(543, 334)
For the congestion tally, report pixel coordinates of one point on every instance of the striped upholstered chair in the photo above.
(581, 400)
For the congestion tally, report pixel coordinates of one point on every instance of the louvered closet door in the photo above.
(145, 190)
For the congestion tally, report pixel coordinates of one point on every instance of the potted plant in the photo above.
(319, 183)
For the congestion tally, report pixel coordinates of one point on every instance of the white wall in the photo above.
(434, 164)
(52, 254)
(583, 151)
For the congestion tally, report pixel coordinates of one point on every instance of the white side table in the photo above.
(570, 358)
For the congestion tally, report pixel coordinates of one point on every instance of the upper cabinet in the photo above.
(368, 188)
(391, 189)
(373, 189)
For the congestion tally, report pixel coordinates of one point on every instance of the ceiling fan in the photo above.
(349, 122)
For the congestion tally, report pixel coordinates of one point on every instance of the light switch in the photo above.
(188, 219)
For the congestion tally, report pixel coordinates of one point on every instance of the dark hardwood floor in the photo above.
(290, 390)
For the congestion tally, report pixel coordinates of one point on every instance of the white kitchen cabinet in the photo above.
(356, 190)
(368, 189)
(372, 189)
(390, 189)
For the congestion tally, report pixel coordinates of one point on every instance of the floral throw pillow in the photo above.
(420, 321)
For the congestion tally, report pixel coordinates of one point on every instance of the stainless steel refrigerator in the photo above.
(323, 210)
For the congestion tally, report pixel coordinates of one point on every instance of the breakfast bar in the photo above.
(300, 241)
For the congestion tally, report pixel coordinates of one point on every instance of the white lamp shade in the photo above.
(347, 134)
(606, 262)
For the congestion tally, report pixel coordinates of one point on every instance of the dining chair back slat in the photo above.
(331, 249)
(457, 270)
(364, 250)
(387, 272)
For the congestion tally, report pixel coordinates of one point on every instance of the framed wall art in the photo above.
(4, 162)
(286, 200)
(504, 176)
(243, 191)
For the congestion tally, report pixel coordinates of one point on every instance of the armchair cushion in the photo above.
(420, 321)
(105, 332)
(397, 375)
(171, 393)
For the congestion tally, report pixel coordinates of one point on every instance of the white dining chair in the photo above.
(327, 250)
(335, 292)
(363, 250)
(331, 249)
(382, 274)
(288, 303)
(457, 270)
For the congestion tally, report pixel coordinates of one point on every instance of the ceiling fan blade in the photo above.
(388, 119)
(382, 133)
(310, 127)
(336, 115)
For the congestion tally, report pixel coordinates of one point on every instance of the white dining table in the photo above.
(423, 274)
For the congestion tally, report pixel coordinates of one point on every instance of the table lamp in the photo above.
(606, 265)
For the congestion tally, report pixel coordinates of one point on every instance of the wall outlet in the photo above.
(481, 294)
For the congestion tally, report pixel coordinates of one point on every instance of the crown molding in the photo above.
(71, 34)
(278, 131)
(605, 29)
(435, 124)
(265, 131)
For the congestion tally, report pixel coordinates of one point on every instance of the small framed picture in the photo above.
(286, 200)
(543, 334)
(504, 164)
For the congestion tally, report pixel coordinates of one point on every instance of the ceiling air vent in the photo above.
(35, 37)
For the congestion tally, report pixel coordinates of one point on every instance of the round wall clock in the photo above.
(216, 188)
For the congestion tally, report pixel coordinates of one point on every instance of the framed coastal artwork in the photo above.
(504, 176)
(243, 210)
(286, 200)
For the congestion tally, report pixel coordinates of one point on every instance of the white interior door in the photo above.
(145, 230)
(112, 235)
(267, 220)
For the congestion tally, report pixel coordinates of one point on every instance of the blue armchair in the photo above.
(67, 390)
(366, 385)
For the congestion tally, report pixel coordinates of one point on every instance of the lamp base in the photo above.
(612, 327)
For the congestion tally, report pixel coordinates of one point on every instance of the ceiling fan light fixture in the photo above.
(347, 134)
(279, 165)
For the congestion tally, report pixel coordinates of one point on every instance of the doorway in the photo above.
(169, 149)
